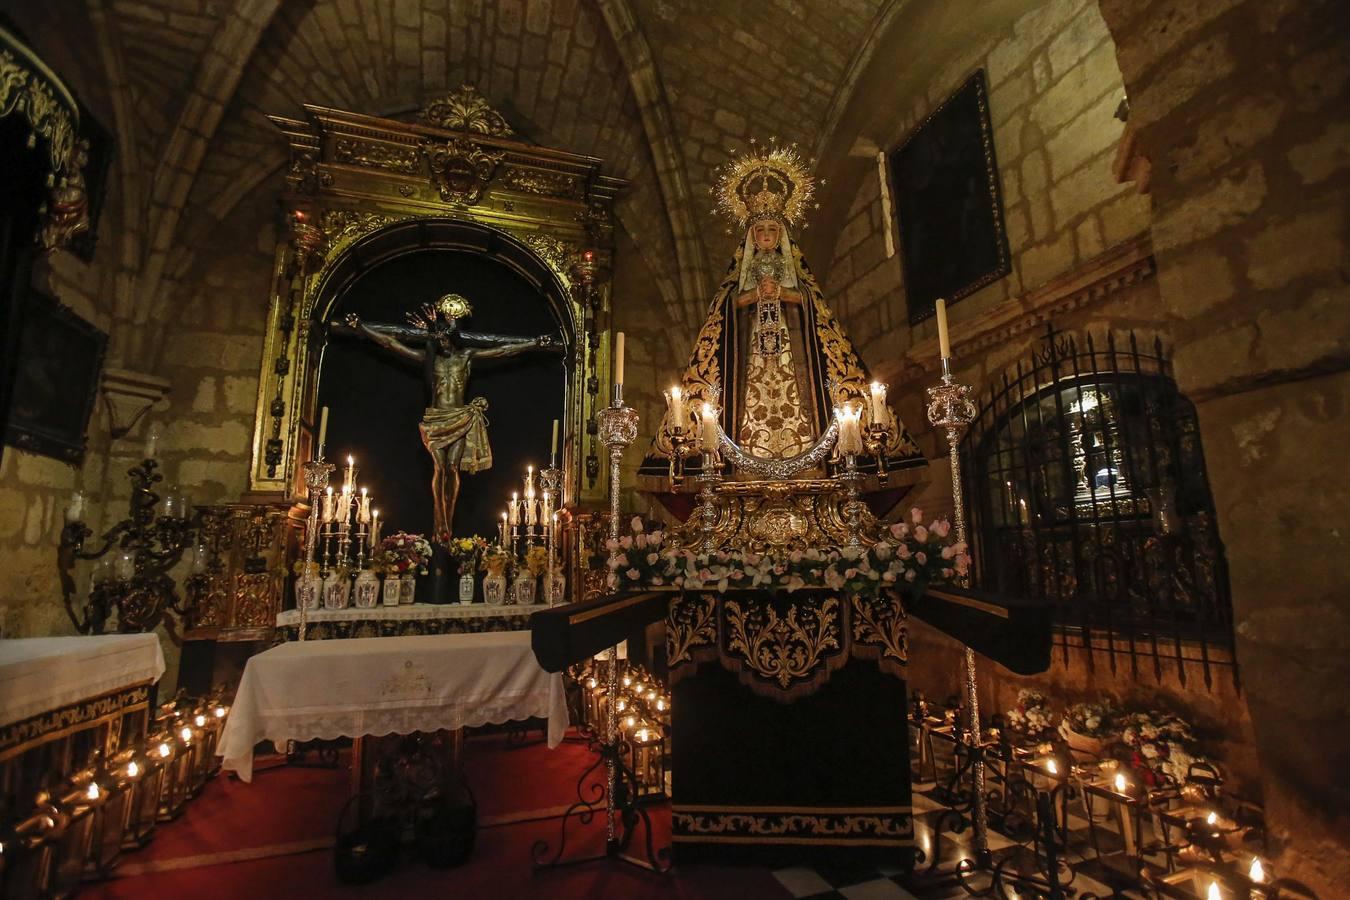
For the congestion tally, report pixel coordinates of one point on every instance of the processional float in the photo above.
(785, 598)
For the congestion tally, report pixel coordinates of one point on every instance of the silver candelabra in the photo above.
(951, 410)
(317, 473)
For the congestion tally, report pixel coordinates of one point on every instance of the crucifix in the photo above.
(453, 431)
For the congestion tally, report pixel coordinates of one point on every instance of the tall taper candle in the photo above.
(710, 438)
(618, 357)
(553, 451)
(323, 433)
(944, 339)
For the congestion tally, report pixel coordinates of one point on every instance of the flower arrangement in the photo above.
(536, 560)
(1094, 721)
(494, 560)
(1162, 745)
(908, 555)
(465, 551)
(403, 552)
(1031, 715)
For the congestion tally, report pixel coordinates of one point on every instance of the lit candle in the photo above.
(350, 480)
(676, 400)
(374, 527)
(944, 338)
(879, 403)
(1256, 874)
(1213, 892)
(323, 432)
(515, 508)
(1121, 783)
(530, 514)
(546, 506)
(850, 438)
(553, 452)
(618, 358)
(75, 509)
(363, 511)
(1051, 766)
(529, 482)
(1212, 819)
(710, 436)
(328, 508)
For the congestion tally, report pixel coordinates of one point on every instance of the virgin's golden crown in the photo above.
(767, 183)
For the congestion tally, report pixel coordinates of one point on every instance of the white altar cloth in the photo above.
(410, 612)
(42, 674)
(303, 690)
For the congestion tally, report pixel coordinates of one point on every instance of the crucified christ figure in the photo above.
(453, 431)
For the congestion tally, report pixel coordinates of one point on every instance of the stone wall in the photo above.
(1242, 109)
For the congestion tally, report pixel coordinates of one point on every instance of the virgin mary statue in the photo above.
(771, 356)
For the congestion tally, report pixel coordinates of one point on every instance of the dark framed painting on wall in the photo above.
(59, 364)
(948, 201)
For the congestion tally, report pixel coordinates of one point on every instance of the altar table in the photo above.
(307, 690)
(409, 619)
(62, 698)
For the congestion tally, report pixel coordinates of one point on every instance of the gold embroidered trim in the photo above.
(692, 622)
(786, 648)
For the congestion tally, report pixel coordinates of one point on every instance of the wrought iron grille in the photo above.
(1088, 489)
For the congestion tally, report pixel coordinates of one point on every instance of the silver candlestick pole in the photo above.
(550, 480)
(618, 425)
(316, 480)
(950, 409)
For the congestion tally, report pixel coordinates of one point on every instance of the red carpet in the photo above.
(271, 839)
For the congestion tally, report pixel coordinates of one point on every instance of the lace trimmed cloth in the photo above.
(311, 690)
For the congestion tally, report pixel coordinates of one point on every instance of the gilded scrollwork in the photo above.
(546, 184)
(466, 110)
(374, 155)
(340, 225)
(24, 91)
(461, 169)
(691, 623)
(880, 622)
(782, 648)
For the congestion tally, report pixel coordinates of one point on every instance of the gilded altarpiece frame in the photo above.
(361, 187)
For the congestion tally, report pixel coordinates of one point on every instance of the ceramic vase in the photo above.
(366, 591)
(307, 590)
(494, 589)
(391, 590)
(466, 588)
(407, 588)
(336, 591)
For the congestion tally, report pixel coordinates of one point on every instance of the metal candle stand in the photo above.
(951, 410)
(317, 473)
(618, 427)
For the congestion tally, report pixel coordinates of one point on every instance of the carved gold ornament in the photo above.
(783, 648)
(770, 182)
(896, 827)
(460, 169)
(466, 110)
(373, 155)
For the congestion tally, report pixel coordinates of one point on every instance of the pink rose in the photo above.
(921, 558)
(948, 551)
(620, 561)
(795, 556)
(652, 558)
(636, 525)
(640, 540)
(910, 575)
(921, 534)
(625, 542)
(656, 537)
(916, 515)
(942, 528)
(899, 530)
(633, 574)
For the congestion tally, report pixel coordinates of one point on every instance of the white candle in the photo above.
(323, 432)
(710, 436)
(546, 507)
(504, 532)
(374, 527)
(944, 339)
(515, 508)
(878, 403)
(850, 437)
(328, 508)
(529, 482)
(363, 510)
(531, 511)
(676, 407)
(75, 509)
(349, 481)
(553, 451)
(152, 441)
(618, 358)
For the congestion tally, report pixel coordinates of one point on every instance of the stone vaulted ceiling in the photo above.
(663, 90)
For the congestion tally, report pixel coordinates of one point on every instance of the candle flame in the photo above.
(707, 409)
(132, 769)
(375, 513)
(1121, 783)
(92, 792)
(1212, 818)
(350, 462)
(165, 751)
(1213, 892)
(675, 392)
(363, 493)
(1256, 873)
(1051, 766)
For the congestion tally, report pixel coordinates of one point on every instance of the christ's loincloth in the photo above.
(462, 430)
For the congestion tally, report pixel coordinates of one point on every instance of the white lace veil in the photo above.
(747, 281)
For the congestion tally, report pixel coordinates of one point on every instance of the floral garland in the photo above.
(1160, 746)
(908, 555)
(403, 552)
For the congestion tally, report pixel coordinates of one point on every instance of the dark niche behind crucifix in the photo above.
(454, 427)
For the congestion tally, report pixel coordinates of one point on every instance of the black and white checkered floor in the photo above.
(1092, 875)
